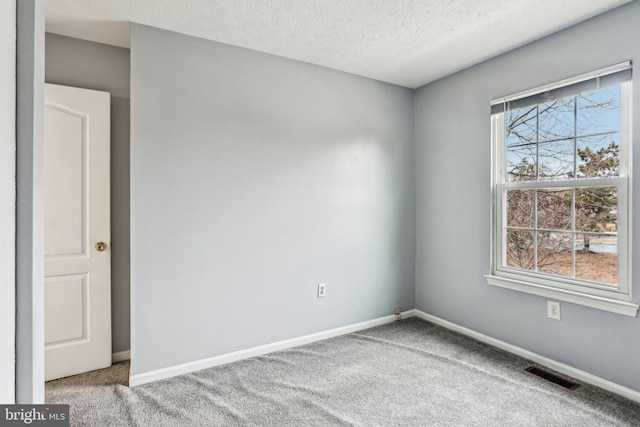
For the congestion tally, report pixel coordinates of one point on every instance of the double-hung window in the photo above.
(561, 190)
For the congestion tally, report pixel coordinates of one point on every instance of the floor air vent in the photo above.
(552, 377)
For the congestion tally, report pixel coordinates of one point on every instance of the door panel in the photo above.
(65, 179)
(65, 309)
(77, 216)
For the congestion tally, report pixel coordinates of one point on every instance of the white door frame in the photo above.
(29, 296)
(7, 199)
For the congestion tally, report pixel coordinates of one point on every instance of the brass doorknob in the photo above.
(101, 246)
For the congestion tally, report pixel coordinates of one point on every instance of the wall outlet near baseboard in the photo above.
(322, 290)
(553, 310)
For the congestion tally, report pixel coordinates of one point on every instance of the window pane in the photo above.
(554, 209)
(597, 209)
(554, 253)
(520, 249)
(521, 126)
(520, 207)
(521, 163)
(556, 119)
(597, 258)
(555, 160)
(598, 156)
(599, 111)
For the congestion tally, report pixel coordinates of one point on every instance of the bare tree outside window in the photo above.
(568, 231)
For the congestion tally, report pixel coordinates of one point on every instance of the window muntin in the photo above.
(562, 191)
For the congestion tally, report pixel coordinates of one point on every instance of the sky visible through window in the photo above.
(548, 135)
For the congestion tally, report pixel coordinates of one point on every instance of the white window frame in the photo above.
(616, 299)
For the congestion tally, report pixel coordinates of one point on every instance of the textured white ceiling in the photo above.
(406, 42)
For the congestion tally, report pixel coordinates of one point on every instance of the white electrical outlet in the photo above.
(322, 290)
(553, 310)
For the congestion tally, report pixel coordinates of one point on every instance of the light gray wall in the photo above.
(7, 200)
(253, 179)
(453, 147)
(79, 63)
(29, 203)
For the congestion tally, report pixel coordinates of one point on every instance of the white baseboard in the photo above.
(172, 371)
(120, 356)
(544, 361)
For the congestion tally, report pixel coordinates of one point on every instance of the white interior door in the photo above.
(77, 231)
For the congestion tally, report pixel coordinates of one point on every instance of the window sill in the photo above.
(625, 308)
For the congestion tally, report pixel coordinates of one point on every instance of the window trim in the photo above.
(626, 308)
(599, 296)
